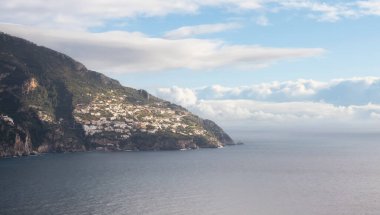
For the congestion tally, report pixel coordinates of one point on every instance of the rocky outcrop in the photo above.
(14, 140)
(29, 85)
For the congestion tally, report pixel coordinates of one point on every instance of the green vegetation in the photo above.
(64, 106)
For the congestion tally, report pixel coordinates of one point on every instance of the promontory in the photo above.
(52, 103)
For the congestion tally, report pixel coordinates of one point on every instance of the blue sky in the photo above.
(257, 61)
(352, 46)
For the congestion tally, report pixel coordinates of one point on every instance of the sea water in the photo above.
(281, 174)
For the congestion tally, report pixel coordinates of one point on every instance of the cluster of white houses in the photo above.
(111, 113)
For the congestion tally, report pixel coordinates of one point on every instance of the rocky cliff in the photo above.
(51, 103)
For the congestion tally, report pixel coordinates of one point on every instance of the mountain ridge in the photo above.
(52, 103)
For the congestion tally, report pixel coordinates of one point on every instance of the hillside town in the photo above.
(110, 113)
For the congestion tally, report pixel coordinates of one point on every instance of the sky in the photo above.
(247, 63)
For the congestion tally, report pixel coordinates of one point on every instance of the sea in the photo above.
(281, 173)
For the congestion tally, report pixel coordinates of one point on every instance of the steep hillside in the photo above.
(51, 103)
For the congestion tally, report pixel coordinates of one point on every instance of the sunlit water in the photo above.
(286, 174)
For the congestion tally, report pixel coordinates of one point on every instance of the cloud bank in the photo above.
(190, 31)
(122, 52)
(73, 14)
(353, 91)
(294, 102)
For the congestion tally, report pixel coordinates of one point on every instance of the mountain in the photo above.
(52, 103)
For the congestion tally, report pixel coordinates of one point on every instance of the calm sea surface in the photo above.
(284, 174)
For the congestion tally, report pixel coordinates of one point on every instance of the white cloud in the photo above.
(83, 14)
(190, 31)
(325, 11)
(370, 7)
(353, 91)
(86, 13)
(251, 111)
(227, 110)
(183, 96)
(274, 91)
(332, 12)
(293, 102)
(121, 52)
(74, 14)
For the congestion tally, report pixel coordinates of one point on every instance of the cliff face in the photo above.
(13, 139)
(51, 103)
